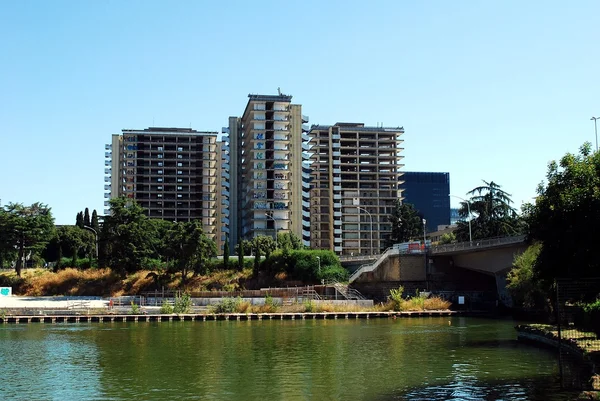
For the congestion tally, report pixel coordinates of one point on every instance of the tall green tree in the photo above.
(226, 253)
(79, 220)
(406, 223)
(492, 213)
(95, 224)
(127, 236)
(190, 248)
(86, 218)
(566, 218)
(241, 255)
(27, 229)
(289, 241)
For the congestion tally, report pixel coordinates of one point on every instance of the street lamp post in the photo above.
(270, 217)
(595, 130)
(469, 210)
(95, 236)
(424, 234)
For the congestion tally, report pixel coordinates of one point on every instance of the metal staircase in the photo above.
(369, 267)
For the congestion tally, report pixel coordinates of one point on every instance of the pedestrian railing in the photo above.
(482, 243)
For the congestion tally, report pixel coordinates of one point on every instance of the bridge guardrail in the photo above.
(483, 243)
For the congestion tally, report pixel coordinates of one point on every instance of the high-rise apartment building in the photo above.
(170, 172)
(266, 168)
(350, 186)
(429, 193)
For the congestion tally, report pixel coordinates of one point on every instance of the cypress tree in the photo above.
(226, 253)
(79, 220)
(86, 218)
(95, 224)
(241, 256)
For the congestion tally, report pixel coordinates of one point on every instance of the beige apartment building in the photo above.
(170, 172)
(266, 168)
(350, 183)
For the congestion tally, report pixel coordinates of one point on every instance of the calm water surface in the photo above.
(380, 359)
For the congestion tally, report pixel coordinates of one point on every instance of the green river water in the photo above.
(379, 359)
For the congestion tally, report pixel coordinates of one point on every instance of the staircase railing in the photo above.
(369, 267)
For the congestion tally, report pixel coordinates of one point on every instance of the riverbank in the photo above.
(204, 317)
(584, 345)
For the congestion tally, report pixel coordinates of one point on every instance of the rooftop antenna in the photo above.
(279, 90)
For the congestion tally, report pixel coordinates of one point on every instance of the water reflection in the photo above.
(418, 358)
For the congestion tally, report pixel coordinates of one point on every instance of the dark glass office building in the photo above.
(430, 194)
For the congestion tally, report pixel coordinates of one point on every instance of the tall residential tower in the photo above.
(350, 186)
(170, 172)
(266, 168)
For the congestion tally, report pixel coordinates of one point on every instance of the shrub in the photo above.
(183, 304)
(166, 308)
(395, 298)
(436, 303)
(227, 305)
(309, 306)
(243, 307)
(135, 309)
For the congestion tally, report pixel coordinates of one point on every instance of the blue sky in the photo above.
(488, 90)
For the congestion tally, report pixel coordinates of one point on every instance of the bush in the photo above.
(227, 305)
(166, 308)
(135, 309)
(395, 298)
(81, 264)
(183, 304)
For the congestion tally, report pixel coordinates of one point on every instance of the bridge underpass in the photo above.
(480, 266)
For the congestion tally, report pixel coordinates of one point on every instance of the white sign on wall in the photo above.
(461, 300)
(5, 291)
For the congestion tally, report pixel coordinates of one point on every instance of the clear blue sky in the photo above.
(485, 89)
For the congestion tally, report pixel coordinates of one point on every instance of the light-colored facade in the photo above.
(170, 172)
(351, 181)
(267, 142)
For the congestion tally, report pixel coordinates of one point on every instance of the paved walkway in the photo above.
(15, 302)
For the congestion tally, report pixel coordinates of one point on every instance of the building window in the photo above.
(179, 164)
(180, 149)
(160, 195)
(160, 180)
(159, 188)
(180, 180)
(160, 148)
(180, 156)
(179, 188)
(179, 172)
(179, 195)
(160, 164)
(160, 156)
(160, 171)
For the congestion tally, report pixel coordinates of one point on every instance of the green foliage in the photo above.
(524, 287)
(24, 230)
(94, 223)
(256, 261)
(183, 304)
(565, 218)
(227, 305)
(166, 308)
(240, 256)
(79, 220)
(289, 241)
(491, 214)
(135, 309)
(189, 248)
(448, 238)
(309, 306)
(81, 264)
(86, 218)
(406, 223)
(304, 265)
(396, 297)
(226, 252)
(127, 236)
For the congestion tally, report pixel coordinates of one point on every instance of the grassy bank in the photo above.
(106, 282)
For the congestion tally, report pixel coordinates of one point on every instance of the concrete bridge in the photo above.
(467, 266)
